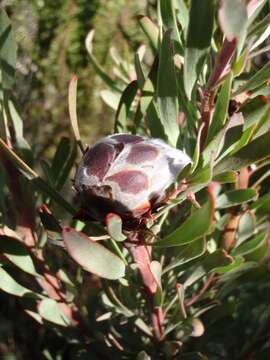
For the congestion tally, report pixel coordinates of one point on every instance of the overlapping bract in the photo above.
(127, 174)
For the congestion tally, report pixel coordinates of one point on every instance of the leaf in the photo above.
(153, 122)
(258, 79)
(114, 227)
(150, 29)
(226, 177)
(221, 108)
(168, 16)
(50, 310)
(72, 107)
(262, 205)
(200, 29)
(182, 13)
(233, 19)
(35, 178)
(187, 232)
(10, 286)
(250, 248)
(98, 68)
(181, 300)
(189, 252)
(235, 197)
(110, 98)
(253, 152)
(201, 22)
(201, 176)
(123, 109)
(139, 71)
(167, 96)
(8, 52)
(156, 270)
(17, 254)
(246, 227)
(92, 256)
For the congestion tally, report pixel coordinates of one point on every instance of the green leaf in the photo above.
(201, 22)
(10, 286)
(123, 110)
(235, 197)
(251, 248)
(262, 205)
(16, 253)
(253, 152)
(168, 16)
(98, 68)
(226, 177)
(92, 256)
(167, 96)
(153, 122)
(257, 80)
(139, 71)
(246, 227)
(221, 108)
(201, 176)
(182, 13)
(8, 52)
(233, 19)
(114, 227)
(150, 29)
(35, 178)
(110, 98)
(188, 253)
(200, 28)
(50, 310)
(187, 232)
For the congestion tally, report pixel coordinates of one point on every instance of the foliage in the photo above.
(196, 274)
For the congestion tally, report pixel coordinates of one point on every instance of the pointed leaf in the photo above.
(200, 28)
(260, 77)
(167, 95)
(92, 256)
(235, 197)
(187, 232)
(150, 29)
(253, 152)
(221, 108)
(8, 51)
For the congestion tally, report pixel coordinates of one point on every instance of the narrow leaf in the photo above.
(150, 29)
(253, 152)
(235, 197)
(221, 108)
(72, 107)
(187, 232)
(167, 95)
(258, 79)
(123, 110)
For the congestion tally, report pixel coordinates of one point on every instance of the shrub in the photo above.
(188, 273)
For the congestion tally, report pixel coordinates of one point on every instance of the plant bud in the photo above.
(127, 174)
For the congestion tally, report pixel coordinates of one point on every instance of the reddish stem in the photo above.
(142, 257)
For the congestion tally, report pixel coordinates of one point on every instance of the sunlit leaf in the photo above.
(92, 256)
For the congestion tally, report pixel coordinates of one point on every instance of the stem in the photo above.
(142, 256)
(205, 286)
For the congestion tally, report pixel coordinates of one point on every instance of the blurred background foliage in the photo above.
(51, 38)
